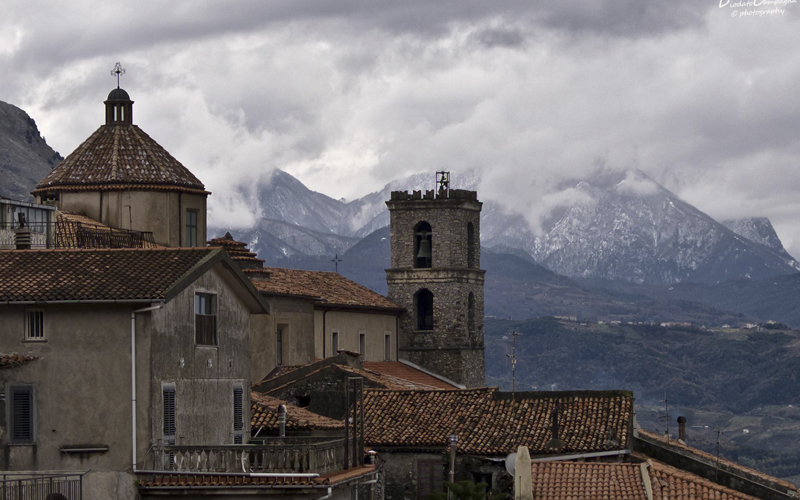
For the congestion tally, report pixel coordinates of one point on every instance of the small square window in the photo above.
(34, 324)
(205, 319)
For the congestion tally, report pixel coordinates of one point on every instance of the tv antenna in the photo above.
(513, 357)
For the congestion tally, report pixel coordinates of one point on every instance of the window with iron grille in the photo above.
(430, 478)
(238, 415)
(21, 413)
(34, 324)
(205, 319)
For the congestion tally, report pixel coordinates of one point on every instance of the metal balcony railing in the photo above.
(72, 234)
(276, 455)
(33, 486)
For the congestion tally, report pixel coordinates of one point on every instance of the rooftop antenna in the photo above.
(513, 357)
(666, 416)
(117, 71)
(336, 261)
(443, 184)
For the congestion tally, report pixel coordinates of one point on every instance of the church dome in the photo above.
(118, 94)
(119, 156)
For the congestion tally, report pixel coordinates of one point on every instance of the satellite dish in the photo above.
(511, 463)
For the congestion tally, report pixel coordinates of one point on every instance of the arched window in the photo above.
(423, 304)
(470, 245)
(471, 312)
(423, 245)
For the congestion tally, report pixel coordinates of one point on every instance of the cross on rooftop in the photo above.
(336, 261)
(118, 70)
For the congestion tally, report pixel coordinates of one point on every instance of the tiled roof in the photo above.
(712, 459)
(402, 371)
(12, 360)
(333, 288)
(238, 251)
(194, 481)
(282, 370)
(118, 156)
(587, 480)
(492, 423)
(669, 483)
(108, 274)
(388, 381)
(264, 414)
(73, 231)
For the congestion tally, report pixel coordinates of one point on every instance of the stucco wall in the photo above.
(204, 376)
(296, 316)
(349, 325)
(161, 212)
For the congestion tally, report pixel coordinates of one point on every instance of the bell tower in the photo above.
(436, 277)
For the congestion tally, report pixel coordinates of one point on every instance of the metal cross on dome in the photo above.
(117, 71)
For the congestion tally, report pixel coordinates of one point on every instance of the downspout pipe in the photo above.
(133, 378)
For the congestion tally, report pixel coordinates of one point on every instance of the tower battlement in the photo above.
(430, 194)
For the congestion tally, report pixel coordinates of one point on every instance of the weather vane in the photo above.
(118, 70)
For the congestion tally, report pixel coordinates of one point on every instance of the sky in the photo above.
(347, 95)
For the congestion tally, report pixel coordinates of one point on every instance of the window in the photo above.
(279, 344)
(205, 319)
(423, 302)
(34, 324)
(170, 428)
(334, 343)
(21, 413)
(430, 477)
(485, 478)
(470, 245)
(362, 345)
(238, 415)
(423, 245)
(191, 228)
(387, 347)
(471, 312)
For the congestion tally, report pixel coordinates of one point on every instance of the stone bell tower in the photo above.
(436, 277)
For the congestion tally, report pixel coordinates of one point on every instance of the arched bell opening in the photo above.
(423, 245)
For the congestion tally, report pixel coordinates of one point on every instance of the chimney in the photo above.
(555, 443)
(682, 429)
(282, 420)
(22, 235)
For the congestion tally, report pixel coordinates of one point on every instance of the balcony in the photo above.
(72, 234)
(33, 486)
(289, 455)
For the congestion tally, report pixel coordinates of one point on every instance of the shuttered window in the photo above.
(430, 478)
(170, 430)
(21, 415)
(238, 415)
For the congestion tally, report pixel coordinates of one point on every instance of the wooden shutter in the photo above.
(170, 429)
(238, 415)
(22, 415)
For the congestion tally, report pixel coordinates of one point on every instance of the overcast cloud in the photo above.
(349, 95)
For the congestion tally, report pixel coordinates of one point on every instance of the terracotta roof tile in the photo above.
(118, 155)
(333, 288)
(13, 360)
(492, 423)
(264, 414)
(403, 371)
(71, 232)
(388, 381)
(238, 252)
(80, 274)
(712, 459)
(670, 483)
(587, 480)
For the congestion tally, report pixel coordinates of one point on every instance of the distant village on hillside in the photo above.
(139, 358)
